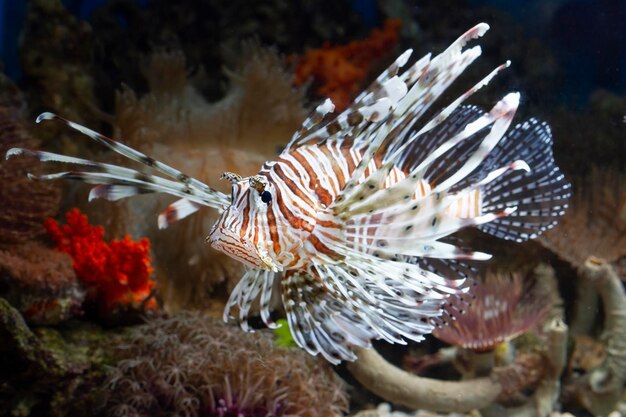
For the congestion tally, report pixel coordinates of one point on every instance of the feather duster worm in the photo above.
(192, 366)
(504, 306)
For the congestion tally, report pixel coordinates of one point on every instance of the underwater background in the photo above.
(103, 314)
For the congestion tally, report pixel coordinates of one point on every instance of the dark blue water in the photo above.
(587, 37)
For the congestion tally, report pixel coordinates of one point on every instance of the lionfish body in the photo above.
(352, 217)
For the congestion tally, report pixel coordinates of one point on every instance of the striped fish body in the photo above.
(305, 182)
(353, 216)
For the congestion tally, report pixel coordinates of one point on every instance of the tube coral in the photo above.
(193, 366)
(600, 389)
(116, 274)
(339, 71)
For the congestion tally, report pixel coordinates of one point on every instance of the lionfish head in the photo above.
(235, 232)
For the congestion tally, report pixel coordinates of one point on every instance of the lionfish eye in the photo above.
(266, 197)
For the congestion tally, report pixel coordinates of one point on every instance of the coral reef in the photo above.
(594, 225)
(157, 68)
(384, 410)
(40, 283)
(400, 387)
(116, 274)
(191, 365)
(339, 72)
(25, 203)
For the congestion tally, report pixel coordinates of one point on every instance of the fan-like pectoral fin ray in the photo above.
(384, 271)
(253, 282)
(449, 225)
(308, 316)
(399, 147)
(116, 192)
(132, 186)
(327, 320)
(266, 297)
(389, 317)
(447, 111)
(508, 107)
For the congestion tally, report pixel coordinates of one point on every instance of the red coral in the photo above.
(117, 274)
(338, 71)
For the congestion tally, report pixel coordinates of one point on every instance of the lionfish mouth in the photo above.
(230, 243)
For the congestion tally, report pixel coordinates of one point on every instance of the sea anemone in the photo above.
(191, 365)
(504, 305)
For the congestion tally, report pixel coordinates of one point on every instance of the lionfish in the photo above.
(353, 217)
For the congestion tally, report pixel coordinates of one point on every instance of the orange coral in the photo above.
(117, 274)
(338, 71)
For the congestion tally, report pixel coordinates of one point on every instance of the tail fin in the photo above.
(539, 195)
(116, 182)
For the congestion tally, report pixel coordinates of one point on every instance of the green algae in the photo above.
(51, 371)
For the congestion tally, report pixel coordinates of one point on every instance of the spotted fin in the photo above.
(540, 195)
(345, 307)
(255, 282)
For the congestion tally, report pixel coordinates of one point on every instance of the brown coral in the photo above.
(595, 223)
(191, 365)
(40, 283)
(175, 124)
(25, 203)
